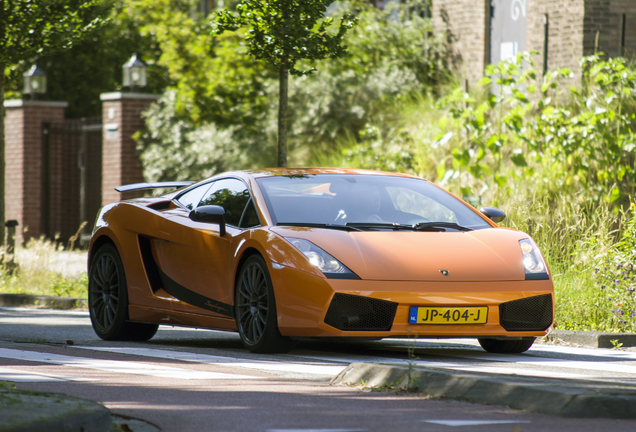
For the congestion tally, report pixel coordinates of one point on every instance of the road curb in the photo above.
(51, 302)
(584, 399)
(26, 411)
(594, 339)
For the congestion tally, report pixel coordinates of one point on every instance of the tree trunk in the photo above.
(282, 118)
(2, 170)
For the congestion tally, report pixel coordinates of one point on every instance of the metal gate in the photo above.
(508, 29)
(71, 178)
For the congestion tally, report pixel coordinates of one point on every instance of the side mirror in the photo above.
(493, 214)
(210, 214)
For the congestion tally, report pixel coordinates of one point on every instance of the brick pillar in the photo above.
(120, 161)
(23, 154)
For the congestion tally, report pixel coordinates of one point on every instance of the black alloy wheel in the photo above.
(502, 346)
(108, 299)
(255, 309)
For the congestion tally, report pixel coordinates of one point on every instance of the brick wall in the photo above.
(466, 24)
(565, 32)
(605, 19)
(23, 155)
(120, 161)
(573, 26)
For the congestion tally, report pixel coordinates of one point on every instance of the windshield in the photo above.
(362, 200)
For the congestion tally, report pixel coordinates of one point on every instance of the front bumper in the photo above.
(303, 301)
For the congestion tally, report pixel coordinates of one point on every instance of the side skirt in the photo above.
(168, 317)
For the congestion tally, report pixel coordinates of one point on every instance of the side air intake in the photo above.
(355, 313)
(528, 314)
(149, 264)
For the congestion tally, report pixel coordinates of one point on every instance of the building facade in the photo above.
(482, 32)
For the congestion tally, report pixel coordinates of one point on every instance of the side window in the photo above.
(232, 195)
(191, 198)
(250, 217)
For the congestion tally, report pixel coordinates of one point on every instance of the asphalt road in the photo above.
(187, 379)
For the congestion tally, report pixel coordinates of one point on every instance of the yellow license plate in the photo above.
(448, 315)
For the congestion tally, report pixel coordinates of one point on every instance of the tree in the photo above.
(29, 29)
(283, 32)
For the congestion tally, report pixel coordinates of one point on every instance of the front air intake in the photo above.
(354, 313)
(528, 314)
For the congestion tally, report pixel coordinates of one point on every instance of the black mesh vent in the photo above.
(528, 314)
(149, 264)
(350, 312)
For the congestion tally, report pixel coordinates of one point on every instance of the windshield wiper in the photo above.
(380, 225)
(421, 226)
(437, 226)
(319, 225)
(362, 226)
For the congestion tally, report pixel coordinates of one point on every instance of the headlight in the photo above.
(533, 261)
(331, 267)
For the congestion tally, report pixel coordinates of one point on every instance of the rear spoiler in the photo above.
(141, 186)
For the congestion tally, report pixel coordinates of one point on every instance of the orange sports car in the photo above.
(282, 253)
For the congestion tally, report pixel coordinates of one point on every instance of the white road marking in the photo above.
(261, 365)
(537, 348)
(472, 422)
(591, 352)
(117, 366)
(316, 430)
(13, 375)
(553, 362)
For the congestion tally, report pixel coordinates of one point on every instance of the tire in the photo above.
(108, 299)
(255, 309)
(499, 346)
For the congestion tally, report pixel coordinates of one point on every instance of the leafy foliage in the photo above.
(282, 32)
(586, 143)
(390, 61)
(172, 149)
(213, 79)
(30, 28)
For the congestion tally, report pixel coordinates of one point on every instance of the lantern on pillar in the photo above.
(134, 73)
(34, 81)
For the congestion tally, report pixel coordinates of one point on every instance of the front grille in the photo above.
(528, 314)
(350, 312)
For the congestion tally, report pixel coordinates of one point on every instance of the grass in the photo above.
(594, 289)
(45, 268)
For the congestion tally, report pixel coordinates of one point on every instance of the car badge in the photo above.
(444, 272)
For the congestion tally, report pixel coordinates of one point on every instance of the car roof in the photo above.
(280, 172)
(271, 172)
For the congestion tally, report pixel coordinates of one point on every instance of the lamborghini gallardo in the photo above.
(279, 254)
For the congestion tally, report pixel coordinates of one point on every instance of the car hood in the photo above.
(482, 255)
